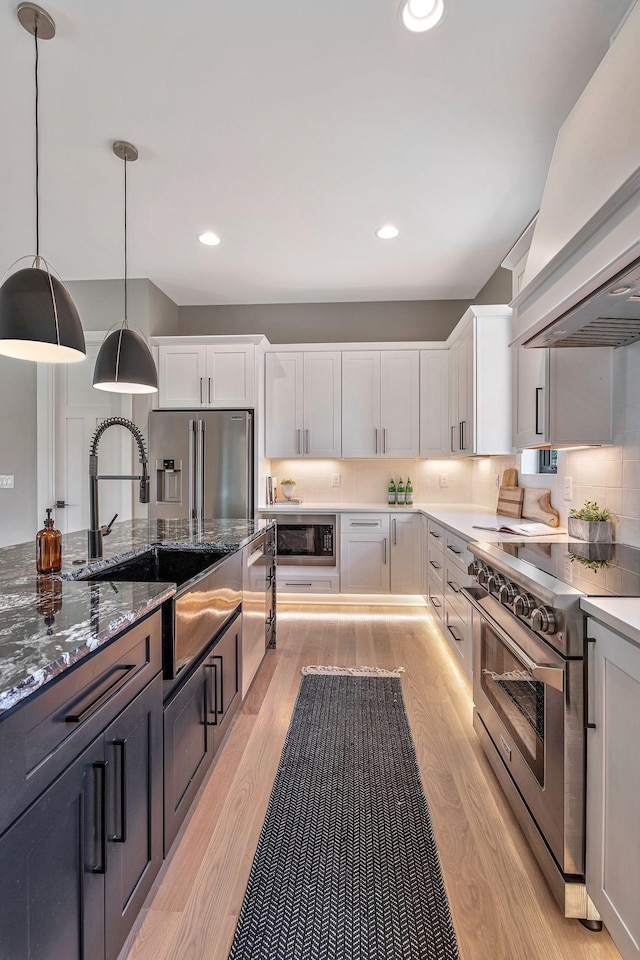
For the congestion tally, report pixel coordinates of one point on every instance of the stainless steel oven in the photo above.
(528, 694)
(304, 539)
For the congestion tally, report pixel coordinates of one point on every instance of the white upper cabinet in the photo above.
(380, 407)
(199, 375)
(434, 403)
(480, 383)
(303, 404)
(561, 397)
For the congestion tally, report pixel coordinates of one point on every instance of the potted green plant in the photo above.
(288, 488)
(591, 522)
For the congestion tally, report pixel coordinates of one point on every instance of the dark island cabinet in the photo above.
(196, 719)
(78, 863)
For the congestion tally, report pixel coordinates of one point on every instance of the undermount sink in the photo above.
(159, 564)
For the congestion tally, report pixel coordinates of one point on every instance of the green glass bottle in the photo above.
(408, 493)
(391, 493)
(400, 493)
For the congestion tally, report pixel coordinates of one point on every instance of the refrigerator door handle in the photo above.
(200, 469)
(192, 468)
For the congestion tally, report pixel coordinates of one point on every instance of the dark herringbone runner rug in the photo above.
(346, 865)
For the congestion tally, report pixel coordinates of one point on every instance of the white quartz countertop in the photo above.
(458, 517)
(620, 613)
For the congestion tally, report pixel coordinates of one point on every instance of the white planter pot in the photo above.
(288, 490)
(600, 531)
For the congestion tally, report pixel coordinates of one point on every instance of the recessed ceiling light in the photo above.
(388, 232)
(421, 15)
(619, 291)
(209, 239)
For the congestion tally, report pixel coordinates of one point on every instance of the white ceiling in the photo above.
(292, 128)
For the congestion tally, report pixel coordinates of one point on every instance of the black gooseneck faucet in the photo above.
(96, 532)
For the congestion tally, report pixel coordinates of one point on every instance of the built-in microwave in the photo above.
(303, 539)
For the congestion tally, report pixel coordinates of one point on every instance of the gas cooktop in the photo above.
(596, 569)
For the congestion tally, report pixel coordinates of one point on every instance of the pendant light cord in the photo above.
(125, 240)
(35, 34)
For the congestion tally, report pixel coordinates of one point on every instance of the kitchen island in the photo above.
(101, 754)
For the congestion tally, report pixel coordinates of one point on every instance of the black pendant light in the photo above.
(124, 363)
(38, 318)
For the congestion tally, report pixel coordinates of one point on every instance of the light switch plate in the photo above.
(444, 479)
(335, 479)
(6, 481)
(567, 488)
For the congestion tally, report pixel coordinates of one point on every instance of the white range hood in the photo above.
(581, 285)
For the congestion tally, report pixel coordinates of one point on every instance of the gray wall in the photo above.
(18, 520)
(100, 303)
(320, 322)
(497, 289)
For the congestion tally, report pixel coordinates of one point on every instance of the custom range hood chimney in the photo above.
(581, 286)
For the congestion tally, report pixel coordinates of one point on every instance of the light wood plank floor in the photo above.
(501, 907)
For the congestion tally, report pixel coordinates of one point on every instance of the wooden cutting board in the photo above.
(537, 506)
(510, 501)
(510, 478)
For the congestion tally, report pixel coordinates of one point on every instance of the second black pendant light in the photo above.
(124, 363)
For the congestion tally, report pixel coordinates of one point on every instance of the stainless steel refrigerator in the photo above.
(201, 464)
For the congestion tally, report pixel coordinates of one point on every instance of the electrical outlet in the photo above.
(6, 481)
(567, 488)
(497, 481)
(567, 572)
(335, 479)
(444, 479)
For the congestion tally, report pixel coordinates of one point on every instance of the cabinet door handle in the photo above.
(121, 745)
(217, 656)
(538, 392)
(395, 532)
(384, 542)
(452, 441)
(201, 386)
(591, 642)
(453, 634)
(123, 675)
(209, 390)
(384, 440)
(100, 774)
(298, 448)
(306, 442)
(207, 698)
(376, 438)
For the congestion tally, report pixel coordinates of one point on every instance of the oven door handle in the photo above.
(545, 672)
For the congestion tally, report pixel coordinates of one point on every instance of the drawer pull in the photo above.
(296, 583)
(434, 602)
(432, 534)
(364, 523)
(454, 586)
(122, 836)
(453, 634)
(436, 566)
(113, 687)
(453, 550)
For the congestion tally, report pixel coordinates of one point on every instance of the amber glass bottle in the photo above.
(48, 547)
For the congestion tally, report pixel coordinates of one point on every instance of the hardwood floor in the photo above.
(501, 907)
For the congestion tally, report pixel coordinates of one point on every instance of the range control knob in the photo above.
(523, 605)
(483, 574)
(495, 582)
(543, 620)
(474, 568)
(507, 593)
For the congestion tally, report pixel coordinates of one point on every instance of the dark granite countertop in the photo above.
(48, 624)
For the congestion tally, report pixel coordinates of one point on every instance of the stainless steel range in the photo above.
(529, 689)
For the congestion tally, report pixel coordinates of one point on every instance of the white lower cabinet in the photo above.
(613, 785)
(447, 559)
(381, 553)
(406, 554)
